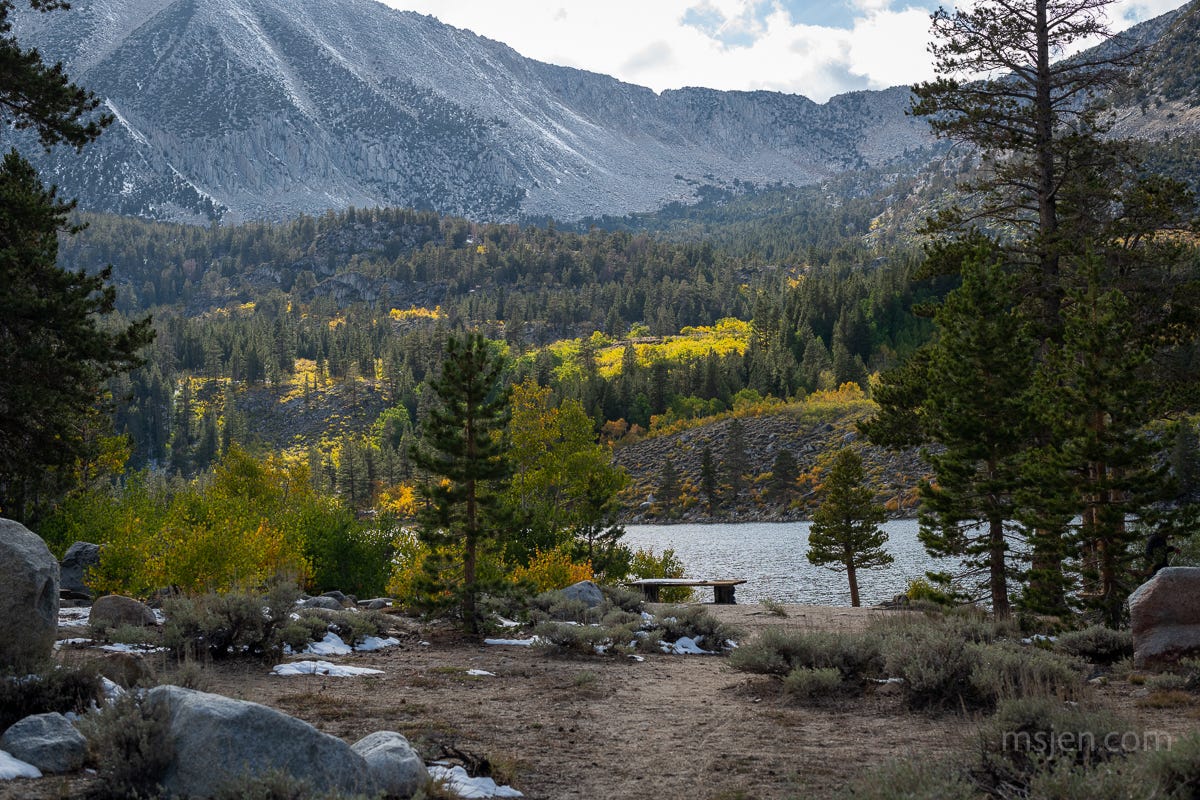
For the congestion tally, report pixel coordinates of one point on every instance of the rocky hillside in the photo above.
(812, 439)
(268, 108)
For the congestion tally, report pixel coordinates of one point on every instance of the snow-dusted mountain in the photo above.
(267, 108)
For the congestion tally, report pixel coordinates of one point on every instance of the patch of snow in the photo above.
(131, 648)
(1039, 637)
(372, 643)
(66, 642)
(515, 642)
(637, 658)
(460, 783)
(72, 617)
(507, 623)
(331, 645)
(480, 673)
(424, 644)
(11, 768)
(684, 646)
(322, 668)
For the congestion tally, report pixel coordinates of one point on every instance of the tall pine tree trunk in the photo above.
(853, 576)
(996, 567)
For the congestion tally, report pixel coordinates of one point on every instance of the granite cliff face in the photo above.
(267, 108)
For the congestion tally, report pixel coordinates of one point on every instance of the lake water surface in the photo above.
(770, 556)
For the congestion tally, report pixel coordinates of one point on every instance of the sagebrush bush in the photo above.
(807, 683)
(234, 624)
(1097, 644)
(935, 665)
(129, 745)
(696, 623)
(915, 779)
(277, 785)
(50, 688)
(1033, 735)
(1175, 769)
(1002, 670)
(778, 651)
(351, 626)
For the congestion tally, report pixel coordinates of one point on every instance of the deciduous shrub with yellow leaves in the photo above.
(552, 569)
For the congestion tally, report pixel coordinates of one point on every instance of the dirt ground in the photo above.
(559, 726)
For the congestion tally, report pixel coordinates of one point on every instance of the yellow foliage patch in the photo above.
(552, 570)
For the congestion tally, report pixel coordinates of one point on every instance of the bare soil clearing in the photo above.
(559, 726)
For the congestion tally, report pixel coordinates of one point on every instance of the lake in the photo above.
(770, 556)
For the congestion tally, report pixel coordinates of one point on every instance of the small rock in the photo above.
(377, 603)
(47, 741)
(114, 610)
(397, 769)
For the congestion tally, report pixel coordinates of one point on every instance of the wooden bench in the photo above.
(722, 589)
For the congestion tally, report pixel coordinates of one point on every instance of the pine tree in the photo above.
(977, 381)
(845, 533)
(709, 486)
(784, 473)
(737, 462)
(462, 448)
(668, 489)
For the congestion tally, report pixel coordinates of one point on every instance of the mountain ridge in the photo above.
(263, 109)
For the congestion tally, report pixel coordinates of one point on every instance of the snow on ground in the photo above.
(131, 648)
(331, 645)
(372, 643)
(683, 647)
(74, 617)
(460, 783)
(68, 642)
(480, 672)
(515, 642)
(11, 768)
(322, 668)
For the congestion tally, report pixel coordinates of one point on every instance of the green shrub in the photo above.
(696, 623)
(129, 744)
(935, 666)
(915, 779)
(235, 624)
(778, 651)
(1167, 682)
(351, 626)
(1097, 644)
(806, 683)
(581, 638)
(1176, 769)
(1033, 735)
(51, 688)
(276, 785)
(921, 590)
(1002, 671)
(647, 565)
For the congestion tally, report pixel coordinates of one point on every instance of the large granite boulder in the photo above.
(28, 597)
(586, 592)
(397, 769)
(73, 568)
(1165, 616)
(47, 741)
(217, 740)
(327, 603)
(113, 611)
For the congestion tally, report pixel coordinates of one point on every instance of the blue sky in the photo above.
(811, 47)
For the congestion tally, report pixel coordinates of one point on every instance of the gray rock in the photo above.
(114, 610)
(217, 740)
(336, 595)
(47, 741)
(28, 596)
(377, 603)
(79, 558)
(329, 603)
(1165, 616)
(584, 591)
(395, 767)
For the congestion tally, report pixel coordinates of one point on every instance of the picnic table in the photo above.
(722, 589)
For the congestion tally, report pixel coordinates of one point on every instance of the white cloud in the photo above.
(723, 44)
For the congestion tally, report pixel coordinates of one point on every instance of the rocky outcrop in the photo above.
(47, 741)
(28, 596)
(217, 740)
(585, 592)
(1165, 616)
